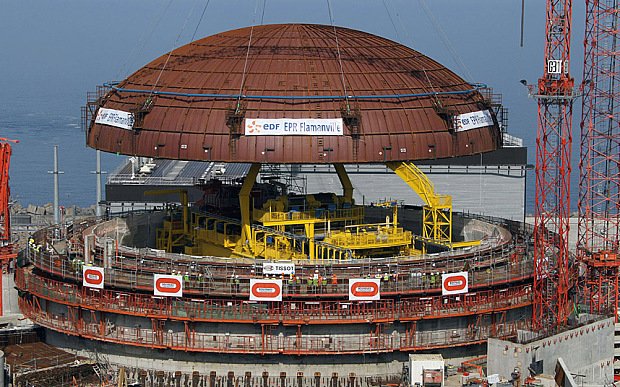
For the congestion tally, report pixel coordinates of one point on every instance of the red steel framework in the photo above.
(7, 249)
(599, 193)
(553, 150)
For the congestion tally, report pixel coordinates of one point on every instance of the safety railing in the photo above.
(424, 277)
(489, 247)
(291, 312)
(316, 215)
(266, 343)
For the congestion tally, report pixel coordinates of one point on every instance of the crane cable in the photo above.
(139, 47)
(391, 21)
(204, 10)
(247, 53)
(191, 12)
(445, 40)
(344, 85)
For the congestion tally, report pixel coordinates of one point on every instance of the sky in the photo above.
(54, 52)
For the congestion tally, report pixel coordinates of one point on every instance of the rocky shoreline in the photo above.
(27, 219)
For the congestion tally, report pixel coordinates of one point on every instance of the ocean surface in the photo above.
(33, 157)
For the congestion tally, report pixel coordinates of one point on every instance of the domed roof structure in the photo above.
(361, 99)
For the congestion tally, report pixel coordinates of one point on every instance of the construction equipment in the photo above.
(437, 210)
(173, 234)
(555, 96)
(8, 250)
(599, 184)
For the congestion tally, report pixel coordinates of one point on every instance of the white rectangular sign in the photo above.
(293, 126)
(112, 117)
(265, 290)
(168, 285)
(454, 283)
(278, 268)
(93, 277)
(361, 289)
(473, 120)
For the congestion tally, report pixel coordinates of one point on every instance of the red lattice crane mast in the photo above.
(599, 191)
(553, 150)
(8, 250)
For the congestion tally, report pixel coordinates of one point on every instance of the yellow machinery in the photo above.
(173, 233)
(316, 227)
(437, 210)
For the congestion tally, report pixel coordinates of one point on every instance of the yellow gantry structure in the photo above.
(437, 210)
(331, 228)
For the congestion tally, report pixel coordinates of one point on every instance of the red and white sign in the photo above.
(364, 289)
(454, 283)
(92, 277)
(265, 290)
(168, 285)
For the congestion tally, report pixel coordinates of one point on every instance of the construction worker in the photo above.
(237, 283)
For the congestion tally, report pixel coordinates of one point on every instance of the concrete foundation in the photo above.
(587, 350)
(205, 363)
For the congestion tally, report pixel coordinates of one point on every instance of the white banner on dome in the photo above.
(112, 117)
(473, 120)
(293, 127)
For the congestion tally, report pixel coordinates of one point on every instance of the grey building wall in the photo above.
(587, 350)
(486, 190)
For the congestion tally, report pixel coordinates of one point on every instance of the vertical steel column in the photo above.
(56, 172)
(98, 174)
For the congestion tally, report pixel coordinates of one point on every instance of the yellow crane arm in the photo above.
(420, 183)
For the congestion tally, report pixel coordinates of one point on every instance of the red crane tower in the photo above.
(599, 191)
(553, 149)
(7, 248)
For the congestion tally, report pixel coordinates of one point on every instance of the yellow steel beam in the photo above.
(347, 187)
(437, 212)
(244, 204)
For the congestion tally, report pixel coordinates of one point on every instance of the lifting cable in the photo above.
(161, 71)
(392, 21)
(139, 47)
(445, 40)
(344, 85)
(204, 10)
(247, 54)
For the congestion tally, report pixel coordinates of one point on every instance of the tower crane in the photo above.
(599, 191)
(555, 95)
(8, 250)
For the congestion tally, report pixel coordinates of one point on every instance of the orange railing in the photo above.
(289, 312)
(265, 343)
(416, 277)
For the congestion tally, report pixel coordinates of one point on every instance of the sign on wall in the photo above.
(454, 283)
(278, 268)
(473, 120)
(293, 127)
(265, 290)
(168, 285)
(364, 289)
(92, 277)
(117, 118)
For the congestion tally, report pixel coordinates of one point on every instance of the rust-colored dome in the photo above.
(400, 105)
